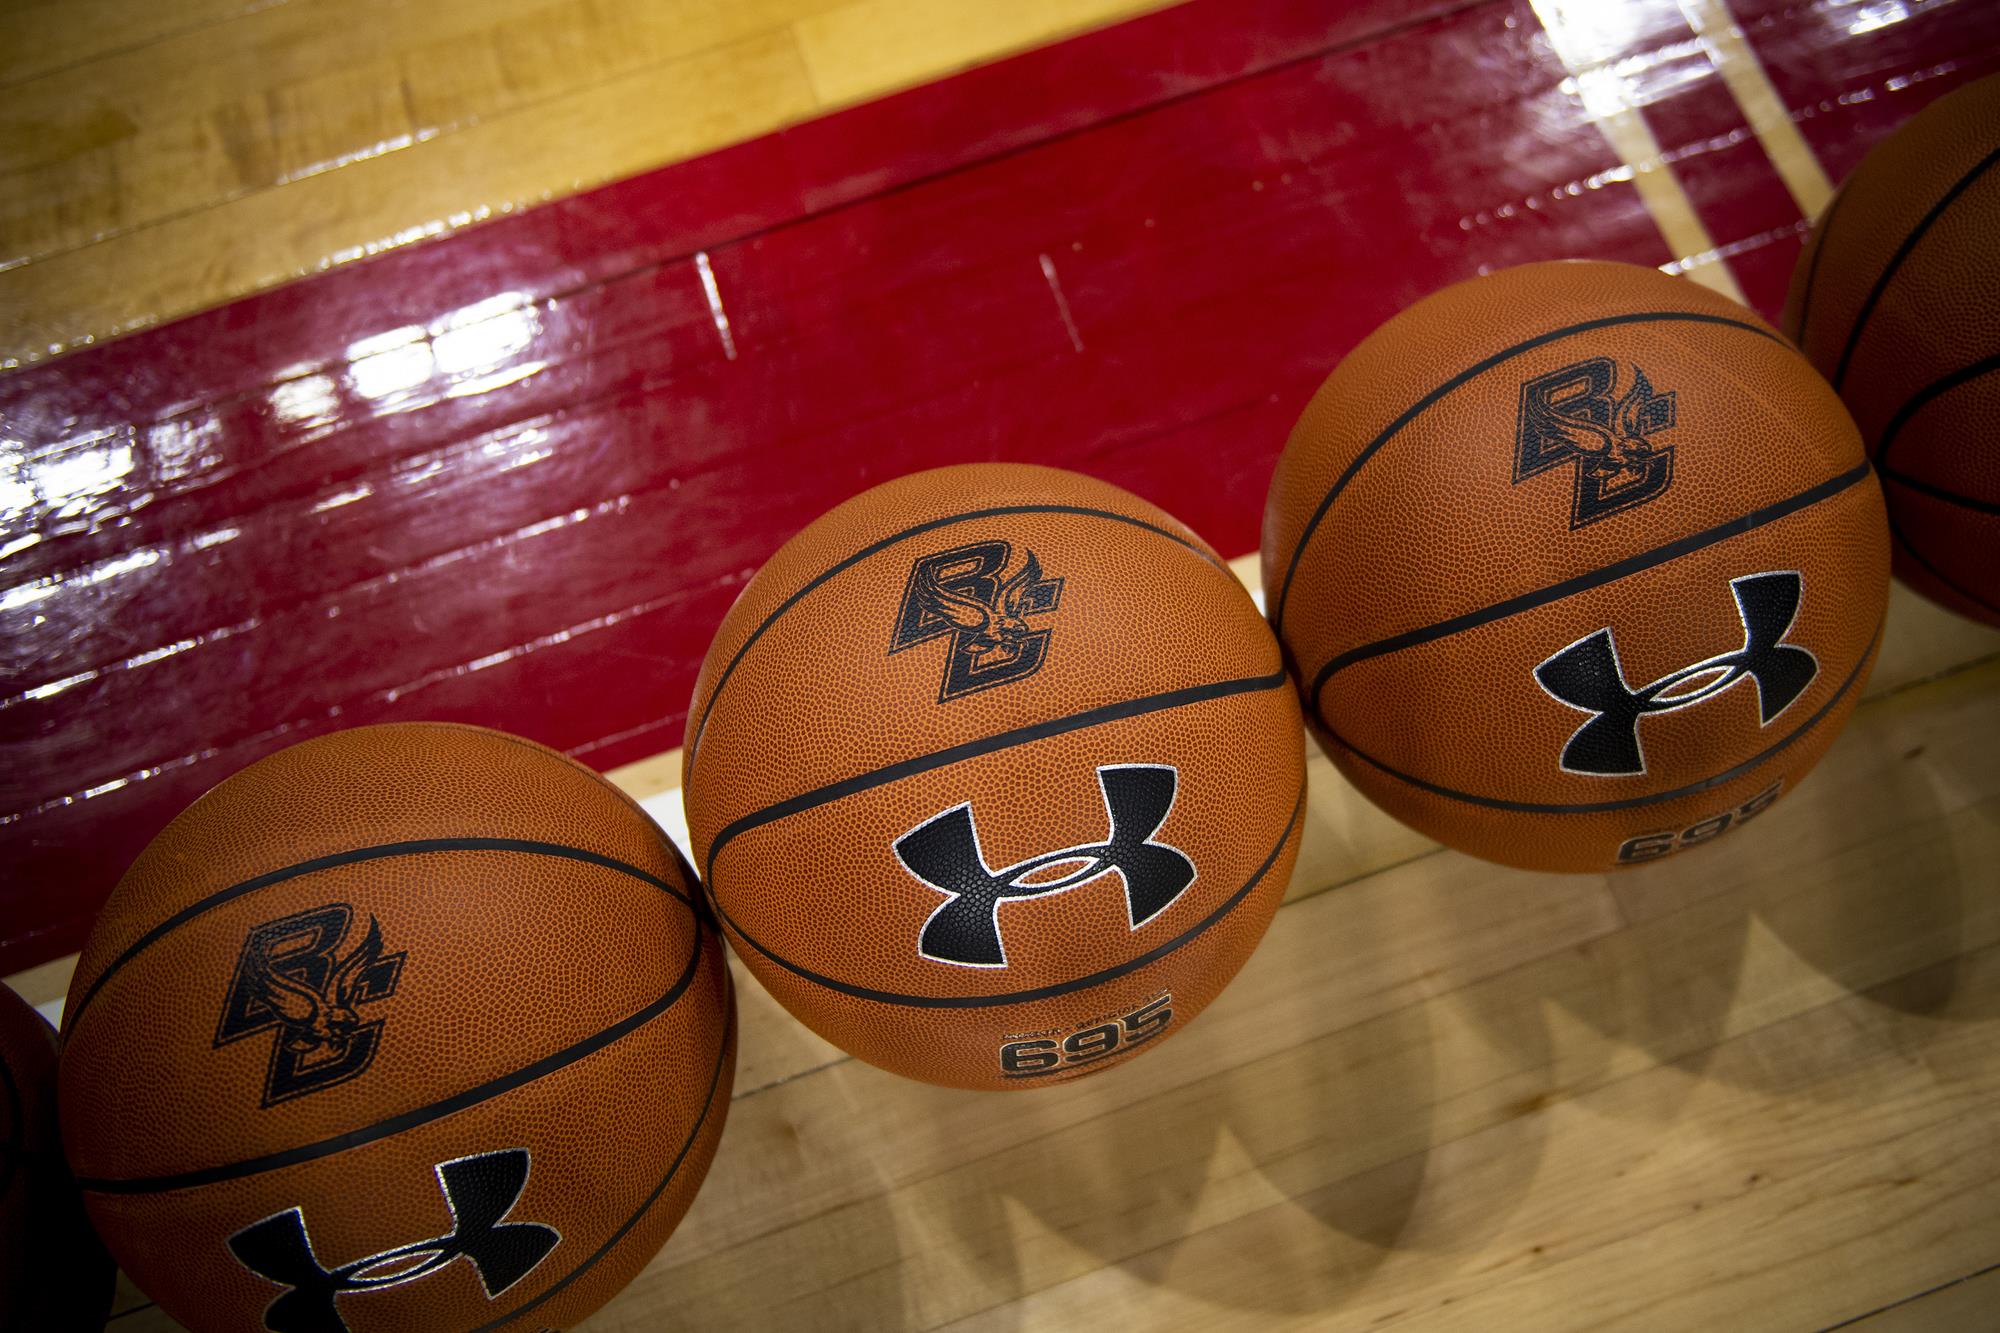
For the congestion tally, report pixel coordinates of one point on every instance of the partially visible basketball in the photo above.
(54, 1276)
(1578, 565)
(1897, 301)
(407, 1027)
(994, 776)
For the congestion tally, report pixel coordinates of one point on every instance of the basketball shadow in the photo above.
(1859, 885)
(1894, 909)
(1133, 1181)
(1592, 1003)
(840, 1265)
(1277, 1184)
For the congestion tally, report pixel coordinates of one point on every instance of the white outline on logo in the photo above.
(358, 1283)
(1076, 881)
(1674, 703)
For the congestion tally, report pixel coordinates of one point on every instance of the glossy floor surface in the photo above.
(514, 476)
(513, 468)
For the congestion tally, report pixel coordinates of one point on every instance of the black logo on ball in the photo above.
(1588, 676)
(944, 853)
(480, 1191)
(961, 593)
(1570, 416)
(290, 981)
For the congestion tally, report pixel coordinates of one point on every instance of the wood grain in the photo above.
(1755, 1086)
(865, 48)
(164, 158)
(1752, 1086)
(39, 37)
(245, 241)
(1965, 1304)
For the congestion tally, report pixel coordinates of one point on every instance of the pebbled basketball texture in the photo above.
(406, 1027)
(54, 1276)
(994, 775)
(1577, 565)
(1897, 301)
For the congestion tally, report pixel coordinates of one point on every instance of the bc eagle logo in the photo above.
(290, 981)
(1569, 415)
(961, 593)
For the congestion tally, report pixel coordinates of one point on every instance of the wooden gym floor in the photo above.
(792, 247)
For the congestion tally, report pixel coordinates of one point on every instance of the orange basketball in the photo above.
(994, 775)
(1897, 301)
(1578, 565)
(407, 1027)
(54, 1276)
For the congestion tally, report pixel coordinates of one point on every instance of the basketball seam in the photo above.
(687, 1146)
(355, 856)
(1917, 402)
(1630, 802)
(1923, 398)
(1903, 251)
(391, 1126)
(1611, 573)
(924, 763)
(1977, 506)
(1098, 978)
(626, 798)
(1902, 539)
(1424, 404)
(875, 548)
(693, 899)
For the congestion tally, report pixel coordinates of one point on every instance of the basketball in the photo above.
(412, 1026)
(1897, 301)
(994, 775)
(1578, 565)
(54, 1276)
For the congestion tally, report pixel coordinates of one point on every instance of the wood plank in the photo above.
(1774, 1183)
(1328, 1151)
(1445, 1088)
(1590, 49)
(1902, 760)
(1962, 1306)
(1922, 640)
(38, 37)
(155, 157)
(907, 1176)
(866, 48)
(1602, 1177)
(1753, 1086)
(182, 263)
(1763, 110)
(189, 123)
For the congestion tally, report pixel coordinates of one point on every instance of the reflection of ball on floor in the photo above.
(54, 1276)
(1578, 564)
(1897, 301)
(418, 1024)
(994, 775)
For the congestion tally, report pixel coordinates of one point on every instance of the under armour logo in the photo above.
(480, 1191)
(1587, 676)
(1569, 415)
(960, 593)
(944, 853)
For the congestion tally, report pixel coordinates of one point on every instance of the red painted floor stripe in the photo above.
(1134, 253)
